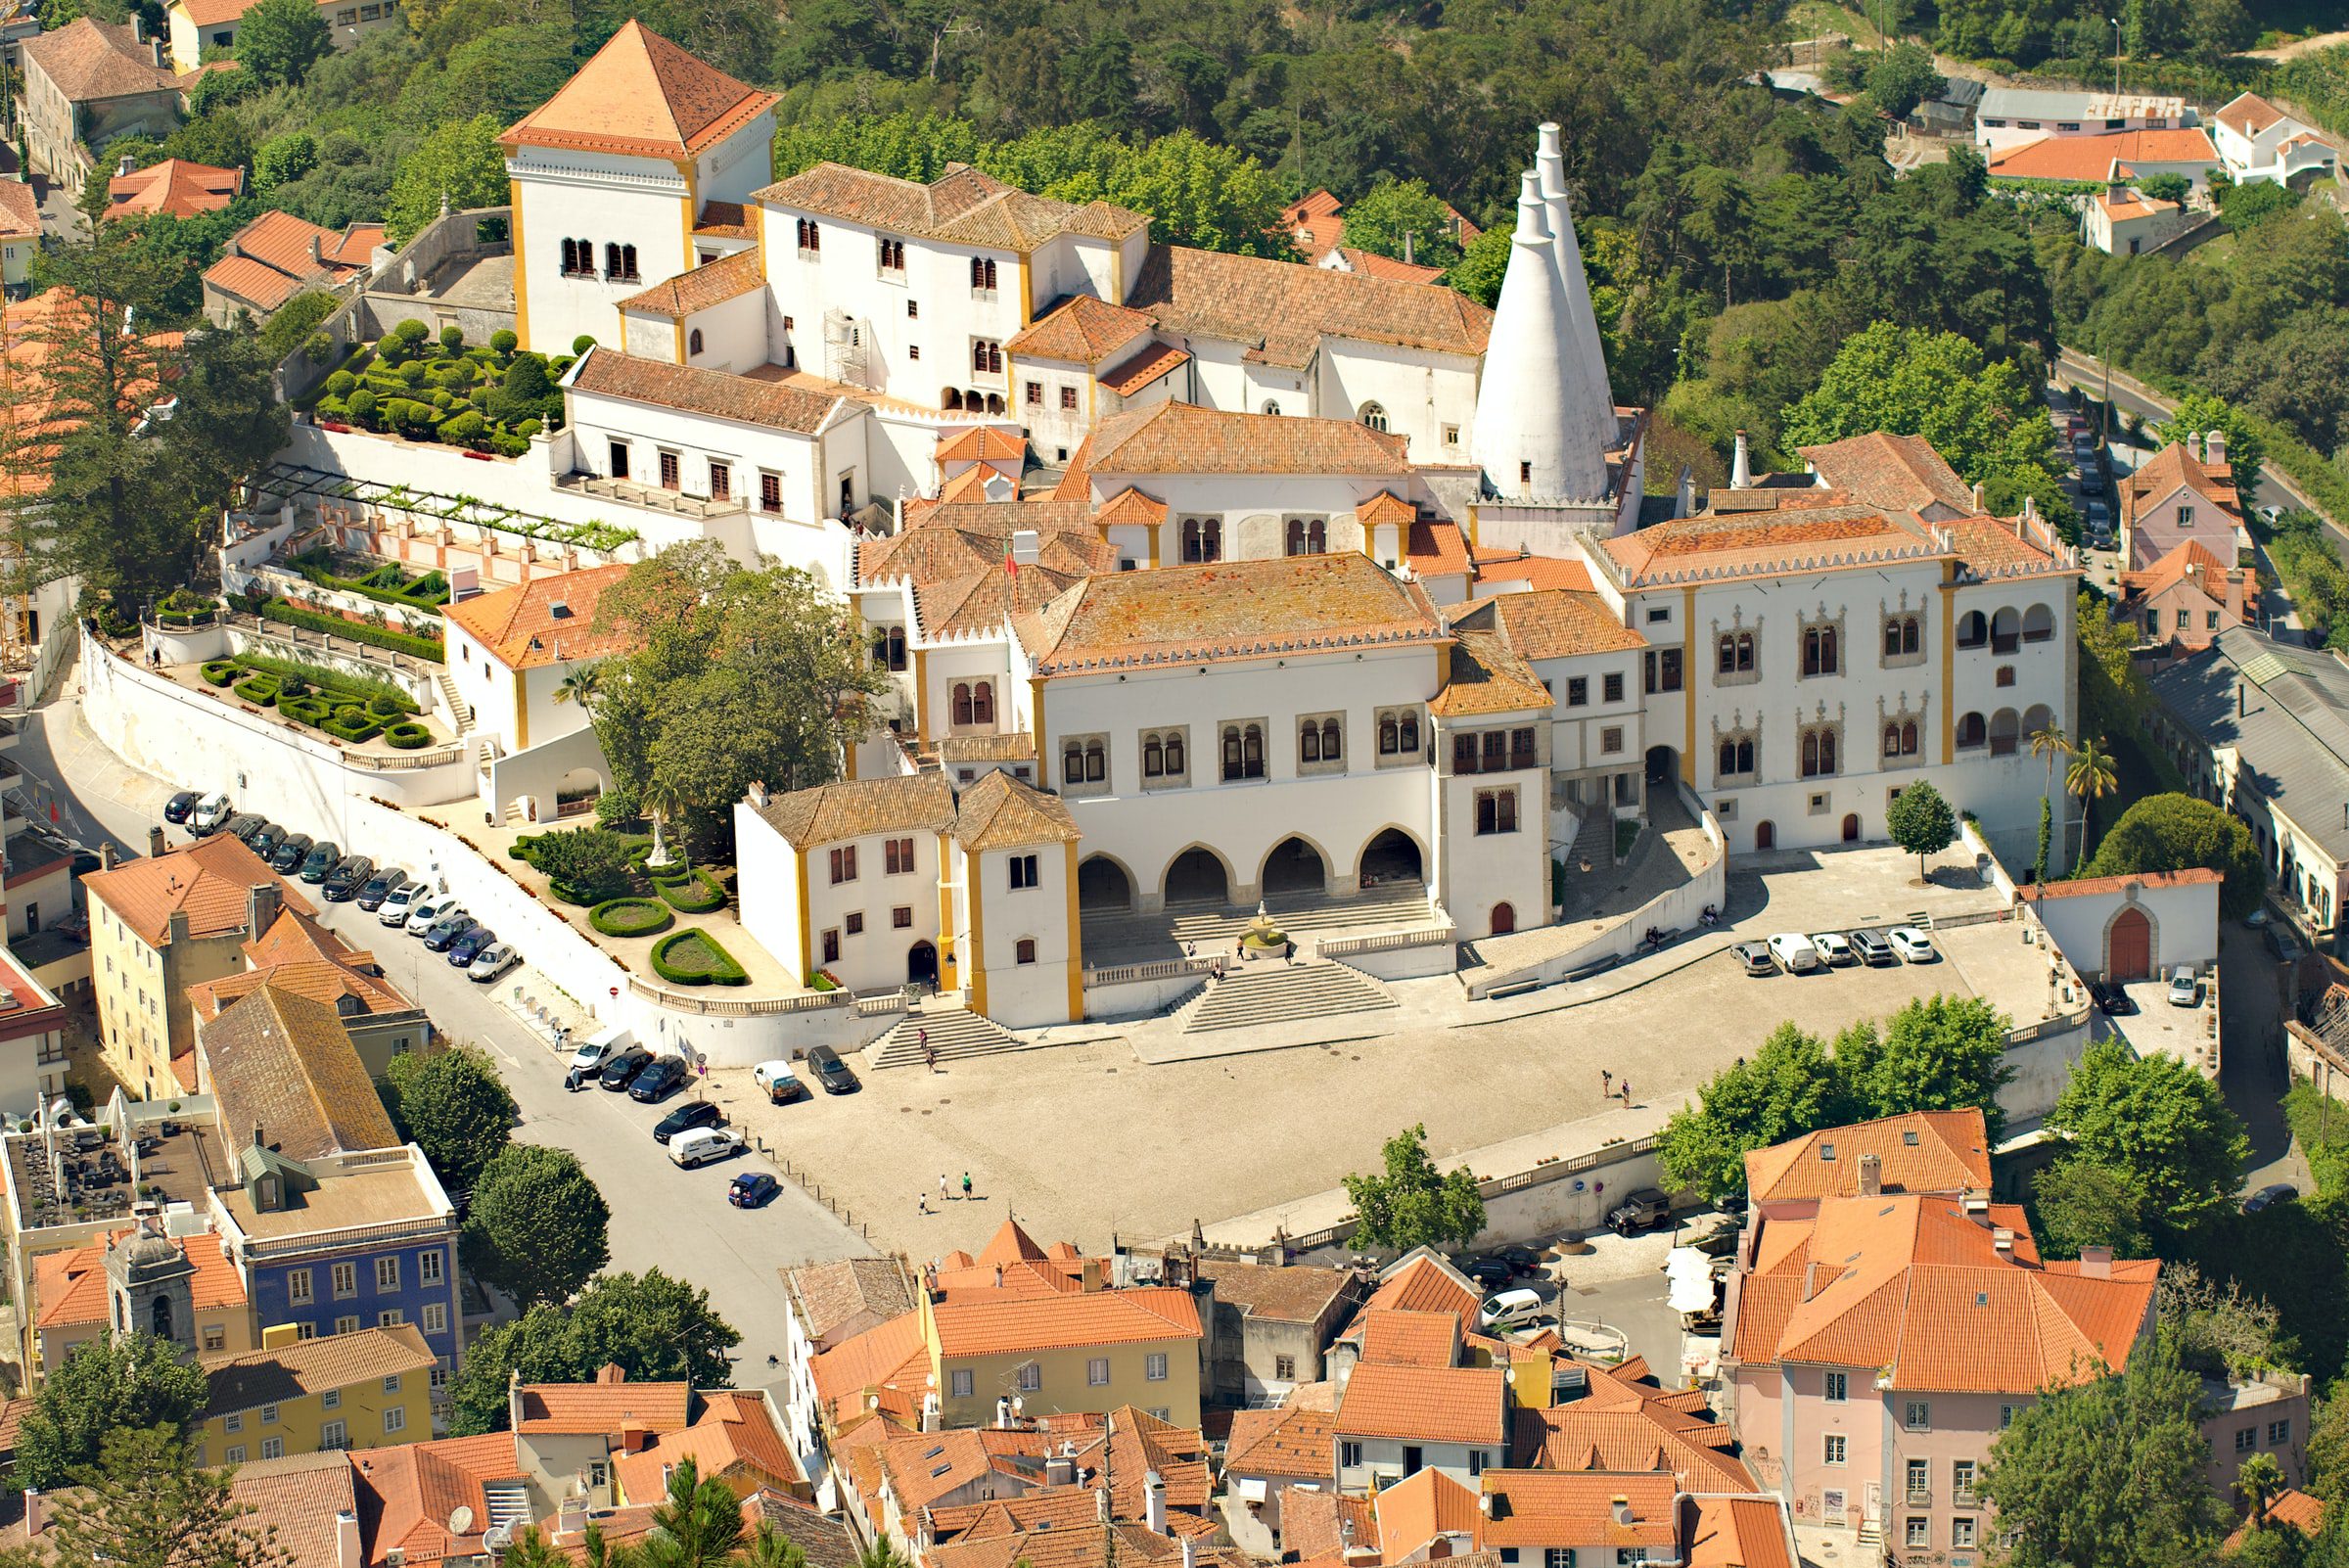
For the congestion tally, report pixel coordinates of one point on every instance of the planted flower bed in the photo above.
(693, 957)
(630, 917)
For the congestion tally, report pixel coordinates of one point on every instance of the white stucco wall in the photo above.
(2185, 924)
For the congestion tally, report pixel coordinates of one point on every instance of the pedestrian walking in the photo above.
(966, 1186)
(1627, 1093)
(1606, 1083)
(922, 1201)
(942, 1187)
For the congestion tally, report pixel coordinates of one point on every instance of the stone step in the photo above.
(1270, 992)
(1211, 926)
(955, 1033)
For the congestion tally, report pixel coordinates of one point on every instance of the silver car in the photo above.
(491, 962)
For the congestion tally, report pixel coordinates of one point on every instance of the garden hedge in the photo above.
(349, 688)
(630, 917)
(407, 736)
(692, 957)
(219, 672)
(259, 690)
(695, 893)
(294, 614)
(351, 725)
(311, 711)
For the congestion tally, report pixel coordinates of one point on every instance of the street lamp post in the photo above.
(2116, 57)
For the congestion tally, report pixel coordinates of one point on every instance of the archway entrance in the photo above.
(1197, 877)
(2129, 946)
(1663, 764)
(1295, 866)
(921, 964)
(1102, 887)
(1392, 857)
(1766, 836)
(1851, 828)
(1504, 919)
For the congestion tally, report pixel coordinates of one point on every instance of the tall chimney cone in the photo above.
(1741, 467)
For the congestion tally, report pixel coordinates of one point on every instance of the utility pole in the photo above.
(2116, 57)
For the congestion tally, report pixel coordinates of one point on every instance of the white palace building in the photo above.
(1205, 579)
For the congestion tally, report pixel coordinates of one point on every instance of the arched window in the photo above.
(1201, 540)
(987, 358)
(612, 261)
(1389, 737)
(162, 1315)
(1174, 756)
(1818, 651)
(962, 702)
(693, 342)
(571, 257)
(954, 400)
(1736, 755)
(1243, 752)
(1096, 762)
(627, 261)
(1973, 731)
(1331, 742)
(1892, 740)
(812, 238)
(983, 702)
(1308, 742)
(1819, 753)
(1154, 759)
(1372, 415)
(1023, 951)
(1308, 535)
(1072, 763)
(1411, 733)
(1271, 407)
(983, 275)
(1973, 629)
(1737, 652)
(1909, 738)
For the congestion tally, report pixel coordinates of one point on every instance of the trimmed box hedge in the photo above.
(407, 736)
(695, 893)
(259, 690)
(693, 957)
(351, 725)
(294, 614)
(347, 687)
(221, 672)
(630, 917)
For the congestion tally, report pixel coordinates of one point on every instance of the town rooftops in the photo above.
(1399, 1338)
(962, 206)
(1542, 1507)
(732, 1436)
(259, 1377)
(90, 60)
(1426, 1403)
(1082, 329)
(1420, 1281)
(1921, 1151)
(745, 399)
(981, 443)
(1000, 813)
(2094, 887)
(1738, 1531)
(20, 210)
(1293, 1293)
(298, 954)
(2036, 103)
(1290, 1441)
(1763, 541)
(1171, 437)
(1278, 312)
(1013, 1325)
(301, 250)
(412, 1493)
(1486, 676)
(210, 881)
(283, 1062)
(70, 1286)
(1229, 610)
(173, 187)
(1623, 1421)
(642, 97)
(2285, 709)
(2095, 158)
(2176, 466)
(1147, 364)
(2129, 208)
(854, 808)
(377, 1193)
(1901, 472)
(1551, 623)
(2248, 114)
(713, 283)
(848, 1296)
(545, 621)
(609, 1404)
(1421, 1508)
(2191, 560)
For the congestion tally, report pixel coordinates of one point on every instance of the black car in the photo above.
(659, 1079)
(2112, 1001)
(1489, 1272)
(342, 884)
(261, 835)
(831, 1072)
(180, 805)
(286, 858)
(320, 862)
(444, 936)
(618, 1070)
(752, 1188)
(381, 886)
(2271, 1195)
(685, 1117)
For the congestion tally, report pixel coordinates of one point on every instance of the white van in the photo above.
(1511, 1309)
(702, 1145)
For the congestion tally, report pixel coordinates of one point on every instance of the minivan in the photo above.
(1511, 1309)
(703, 1145)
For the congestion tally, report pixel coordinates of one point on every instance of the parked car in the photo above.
(471, 945)
(399, 903)
(2092, 480)
(1794, 953)
(1487, 1271)
(2266, 1197)
(622, 1066)
(342, 884)
(491, 962)
(831, 1072)
(286, 859)
(1642, 1210)
(685, 1117)
(660, 1078)
(428, 911)
(1913, 944)
(1511, 1309)
(211, 812)
(444, 936)
(2112, 1001)
(777, 1082)
(1755, 957)
(704, 1144)
(1872, 949)
(1834, 949)
(751, 1189)
(596, 1056)
(387, 879)
(177, 809)
(2184, 989)
(1525, 1259)
(320, 862)
(261, 835)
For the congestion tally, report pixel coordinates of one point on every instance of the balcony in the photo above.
(1921, 1496)
(1964, 1498)
(652, 499)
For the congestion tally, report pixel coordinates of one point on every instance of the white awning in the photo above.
(1692, 1295)
(1249, 1488)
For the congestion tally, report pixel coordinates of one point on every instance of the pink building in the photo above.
(2186, 599)
(2184, 495)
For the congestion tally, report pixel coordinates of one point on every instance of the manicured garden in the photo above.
(350, 708)
(415, 644)
(487, 399)
(607, 871)
(385, 583)
(693, 957)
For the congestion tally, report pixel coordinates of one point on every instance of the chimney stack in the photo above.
(2214, 449)
(2242, 700)
(263, 901)
(1154, 1502)
(317, 257)
(1190, 1552)
(36, 1513)
(105, 857)
(1872, 1176)
(155, 52)
(124, 165)
(2095, 1263)
(757, 796)
(1623, 1509)
(1025, 546)
(1409, 252)
(155, 840)
(259, 1141)
(1977, 498)
(2002, 1240)
(349, 1553)
(1741, 465)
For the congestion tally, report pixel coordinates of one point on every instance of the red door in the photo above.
(1851, 828)
(1504, 919)
(2130, 951)
(1766, 836)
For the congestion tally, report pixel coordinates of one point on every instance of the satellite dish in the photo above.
(460, 1521)
(498, 1537)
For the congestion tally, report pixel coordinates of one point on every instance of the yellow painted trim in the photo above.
(1472, 530)
(1687, 684)
(848, 761)
(1948, 674)
(676, 337)
(522, 289)
(1117, 273)
(691, 259)
(1027, 300)
(522, 710)
(921, 700)
(947, 945)
(1153, 533)
(1011, 388)
(1067, 866)
(974, 970)
(1036, 720)
(806, 936)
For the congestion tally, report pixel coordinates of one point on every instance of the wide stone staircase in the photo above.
(956, 1034)
(1594, 844)
(1268, 991)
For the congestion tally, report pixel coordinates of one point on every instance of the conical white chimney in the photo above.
(1538, 435)
(1585, 361)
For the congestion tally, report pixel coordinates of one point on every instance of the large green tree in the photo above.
(1409, 1203)
(653, 1328)
(144, 1503)
(460, 164)
(537, 1228)
(454, 1107)
(2156, 1123)
(2079, 1203)
(278, 41)
(135, 1381)
(1378, 219)
(1921, 822)
(2200, 413)
(2179, 833)
(1790, 1086)
(1937, 1054)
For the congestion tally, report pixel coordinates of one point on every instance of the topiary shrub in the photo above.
(362, 406)
(413, 373)
(350, 724)
(452, 337)
(509, 445)
(334, 408)
(407, 736)
(219, 672)
(581, 344)
(463, 428)
(692, 957)
(695, 893)
(259, 690)
(312, 711)
(528, 428)
(341, 383)
(502, 343)
(630, 917)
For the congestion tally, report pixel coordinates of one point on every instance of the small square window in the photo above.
(1154, 1367)
(1096, 1372)
(233, 1423)
(331, 1400)
(273, 1448)
(853, 924)
(1658, 614)
(900, 918)
(396, 1419)
(913, 310)
(959, 1382)
(1917, 1415)
(268, 1416)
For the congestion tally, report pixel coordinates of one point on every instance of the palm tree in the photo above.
(583, 686)
(2258, 1482)
(662, 801)
(2050, 743)
(2091, 777)
(880, 1554)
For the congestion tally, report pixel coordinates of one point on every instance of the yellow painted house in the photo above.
(362, 1390)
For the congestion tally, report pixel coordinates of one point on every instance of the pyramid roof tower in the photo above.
(642, 97)
(1544, 414)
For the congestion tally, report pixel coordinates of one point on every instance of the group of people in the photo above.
(944, 1192)
(1609, 1089)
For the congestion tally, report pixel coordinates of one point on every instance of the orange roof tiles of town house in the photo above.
(1921, 1151)
(1627, 1425)
(949, 541)
(980, 443)
(1550, 623)
(1083, 331)
(729, 277)
(609, 372)
(2092, 158)
(175, 187)
(1285, 309)
(2193, 560)
(2094, 887)
(850, 809)
(545, 619)
(1430, 1403)
(70, 1287)
(20, 210)
(1541, 1507)
(211, 880)
(1903, 472)
(299, 249)
(89, 60)
(1086, 1317)
(1765, 541)
(731, 1439)
(285, 1064)
(1233, 610)
(1287, 1441)
(1185, 439)
(2173, 466)
(609, 1404)
(962, 206)
(1486, 676)
(273, 1376)
(1000, 812)
(299, 955)
(1410, 1339)
(642, 97)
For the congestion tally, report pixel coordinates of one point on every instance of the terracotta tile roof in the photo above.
(846, 1297)
(713, 283)
(1278, 310)
(210, 878)
(407, 1494)
(2099, 887)
(263, 288)
(962, 206)
(1147, 365)
(298, 1497)
(1419, 1281)
(1325, 1524)
(282, 241)
(824, 1538)
(2092, 158)
(1170, 437)
(957, 558)
(1946, 1152)
(1082, 329)
(1541, 1507)
(1131, 506)
(1915, 1287)
(1048, 1508)
(1312, 222)
(20, 210)
(2172, 468)
(70, 1287)
(981, 443)
(1386, 507)
(1534, 572)
(1419, 1508)
(924, 1467)
(2190, 560)
(88, 60)
(175, 187)
(282, 1062)
(2248, 114)
(1901, 472)
(733, 1439)
(854, 808)
(1370, 265)
(1398, 1338)
(1625, 1422)
(1000, 812)
(870, 1358)
(1751, 1532)
(968, 487)
(724, 221)
(643, 97)
(545, 621)
(1018, 746)
(33, 416)
(1294, 1293)
(299, 955)
(2290, 1506)
(1425, 1404)
(1988, 544)
(1487, 675)
(255, 1378)
(1283, 1442)
(2133, 209)
(1082, 1546)
(1435, 548)
(1138, 1316)
(745, 399)
(607, 1406)
(1231, 609)
(1763, 541)
(1136, 1445)
(1551, 623)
